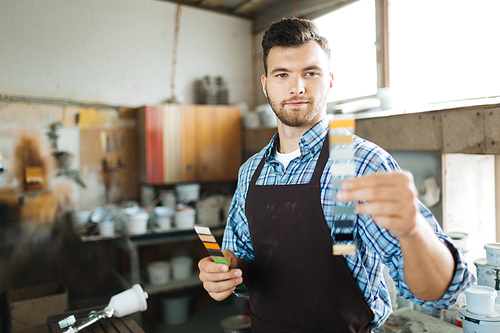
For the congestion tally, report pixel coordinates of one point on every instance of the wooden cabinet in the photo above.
(190, 143)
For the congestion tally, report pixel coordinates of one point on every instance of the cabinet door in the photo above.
(189, 159)
(218, 137)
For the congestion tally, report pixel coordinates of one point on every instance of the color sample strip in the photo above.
(347, 210)
(344, 223)
(342, 168)
(345, 170)
(340, 249)
(215, 252)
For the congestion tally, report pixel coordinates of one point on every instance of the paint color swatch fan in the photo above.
(215, 252)
(342, 168)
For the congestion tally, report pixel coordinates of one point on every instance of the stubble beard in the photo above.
(296, 117)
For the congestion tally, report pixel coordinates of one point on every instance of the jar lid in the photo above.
(486, 320)
(492, 246)
(483, 262)
(481, 291)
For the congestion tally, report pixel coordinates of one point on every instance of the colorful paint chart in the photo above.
(342, 168)
(214, 250)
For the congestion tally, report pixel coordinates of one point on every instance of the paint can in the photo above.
(487, 275)
(492, 254)
(473, 323)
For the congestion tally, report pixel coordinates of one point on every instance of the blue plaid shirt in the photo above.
(375, 245)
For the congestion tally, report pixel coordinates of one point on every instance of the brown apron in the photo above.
(297, 284)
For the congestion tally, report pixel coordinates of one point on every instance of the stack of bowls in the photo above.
(482, 312)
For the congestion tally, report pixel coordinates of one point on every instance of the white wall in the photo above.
(469, 200)
(118, 52)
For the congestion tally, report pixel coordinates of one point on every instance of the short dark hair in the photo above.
(292, 32)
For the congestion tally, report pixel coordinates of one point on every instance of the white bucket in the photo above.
(163, 217)
(168, 199)
(481, 300)
(487, 275)
(187, 192)
(175, 309)
(492, 254)
(182, 267)
(473, 323)
(136, 221)
(460, 239)
(107, 229)
(129, 301)
(80, 217)
(185, 218)
(159, 272)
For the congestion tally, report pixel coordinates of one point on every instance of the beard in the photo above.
(297, 117)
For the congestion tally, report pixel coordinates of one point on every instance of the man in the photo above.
(278, 238)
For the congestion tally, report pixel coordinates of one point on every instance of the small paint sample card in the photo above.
(214, 250)
(342, 168)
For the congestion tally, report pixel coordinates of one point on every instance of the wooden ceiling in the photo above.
(264, 12)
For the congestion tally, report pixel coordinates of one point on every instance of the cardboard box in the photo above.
(29, 307)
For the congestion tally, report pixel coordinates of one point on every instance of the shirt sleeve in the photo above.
(237, 234)
(387, 247)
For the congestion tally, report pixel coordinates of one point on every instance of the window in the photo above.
(439, 51)
(443, 50)
(351, 33)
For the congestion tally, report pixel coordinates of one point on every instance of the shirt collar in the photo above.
(310, 143)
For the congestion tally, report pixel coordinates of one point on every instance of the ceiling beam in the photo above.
(249, 6)
(211, 3)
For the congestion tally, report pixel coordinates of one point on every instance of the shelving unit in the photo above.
(130, 244)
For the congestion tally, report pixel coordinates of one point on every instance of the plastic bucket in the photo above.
(492, 254)
(136, 221)
(481, 300)
(163, 217)
(487, 275)
(182, 267)
(159, 272)
(185, 218)
(187, 192)
(107, 229)
(473, 323)
(176, 309)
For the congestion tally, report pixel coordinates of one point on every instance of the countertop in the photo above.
(405, 320)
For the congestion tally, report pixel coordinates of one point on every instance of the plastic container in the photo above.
(187, 193)
(159, 272)
(492, 254)
(107, 228)
(80, 217)
(481, 300)
(176, 309)
(487, 275)
(182, 267)
(460, 239)
(136, 221)
(163, 217)
(185, 218)
(473, 323)
(129, 301)
(168, 199)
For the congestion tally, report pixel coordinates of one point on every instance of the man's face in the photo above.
(297, 83)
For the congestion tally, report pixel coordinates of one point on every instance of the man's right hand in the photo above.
(218, 280)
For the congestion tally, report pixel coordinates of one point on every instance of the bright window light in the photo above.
(351, 33)
(444, 50)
